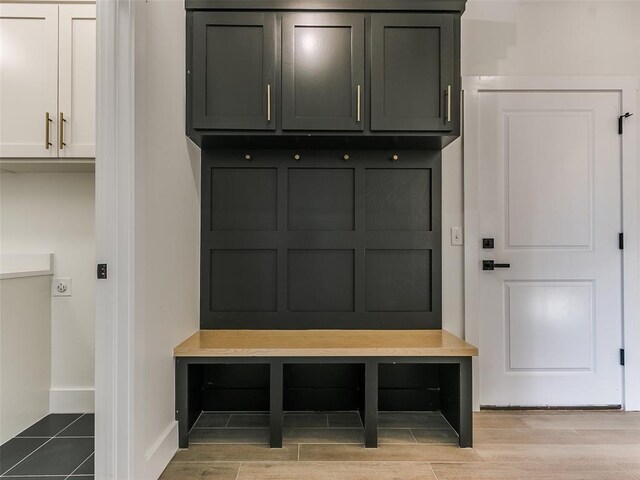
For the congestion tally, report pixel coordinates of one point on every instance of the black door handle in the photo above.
(491, 265)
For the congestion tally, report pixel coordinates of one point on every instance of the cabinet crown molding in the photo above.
(451, 6)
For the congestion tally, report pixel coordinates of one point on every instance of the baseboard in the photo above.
(72, 401)
(161, 452)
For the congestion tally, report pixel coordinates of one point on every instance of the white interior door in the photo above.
(76, 133)
(549, 194)
(28, 80)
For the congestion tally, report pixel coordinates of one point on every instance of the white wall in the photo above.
(530, 38)
(54, 213)
(25, 352)
(171, 216)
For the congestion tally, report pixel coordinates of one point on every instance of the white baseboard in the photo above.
(72, 401)
(161, 452)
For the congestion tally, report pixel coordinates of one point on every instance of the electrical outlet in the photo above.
(456, 236)
(61, 287)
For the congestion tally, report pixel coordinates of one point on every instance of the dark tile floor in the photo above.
(321, 428)
(58, 447)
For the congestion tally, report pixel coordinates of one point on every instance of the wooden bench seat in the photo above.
(369, 348)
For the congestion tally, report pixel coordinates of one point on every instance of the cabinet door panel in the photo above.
(28, 80)
(234, 71)
(77, 86)
(322, 71)
(411, 71)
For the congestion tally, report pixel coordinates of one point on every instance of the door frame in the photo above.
(628, 90)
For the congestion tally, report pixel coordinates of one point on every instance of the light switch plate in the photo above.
(456, 236)
(61, 287)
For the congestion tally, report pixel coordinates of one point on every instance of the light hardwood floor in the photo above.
(527, 445)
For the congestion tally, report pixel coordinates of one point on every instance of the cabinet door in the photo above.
(28, 80)
(322, 71)
(234, 71)
(77, 81)
(411, 72)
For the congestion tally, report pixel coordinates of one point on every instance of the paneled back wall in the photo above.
(332, 239)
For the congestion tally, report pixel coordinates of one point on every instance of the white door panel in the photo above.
(28, 79)
(549, 194)
(77, 80)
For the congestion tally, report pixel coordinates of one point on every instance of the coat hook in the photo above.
(346, 156)
(395, 157)
(247, 157)
(296, 157)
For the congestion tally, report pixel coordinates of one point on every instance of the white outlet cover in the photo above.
(61, 287)
(456, 236)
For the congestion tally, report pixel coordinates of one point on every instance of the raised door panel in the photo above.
(234, 71)
(77, 81)
(323, 71)
(411, 72)
(28, 80)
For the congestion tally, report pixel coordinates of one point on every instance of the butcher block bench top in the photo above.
(324, 343)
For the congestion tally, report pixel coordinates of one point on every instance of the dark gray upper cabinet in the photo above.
(322, 71)
(234, 71)
(412, 72)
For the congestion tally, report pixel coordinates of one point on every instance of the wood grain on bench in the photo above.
(324, 343)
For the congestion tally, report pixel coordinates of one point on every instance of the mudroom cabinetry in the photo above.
(338, 72)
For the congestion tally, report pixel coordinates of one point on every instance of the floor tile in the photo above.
(46, 477)
(59, 456)
(236, 453)
(201, 471)
(213, 420)
(497, 420)
(83, 427)
(528, 436)
(16, 449)
(87, 468)
(324, 435)
(50, 425)
(344, 420)
(295, 420)
(527, 471)
(229, 435)
(336, 471)
(255, 420)
(395, 435)
(389, 452)
(411, 420)
(612, 436)
(558, 453)
(435, 435)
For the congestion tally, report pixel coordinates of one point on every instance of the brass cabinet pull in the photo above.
(47, 132)
(268, 102)
(448, 103)
(62, 120)
(358, 106)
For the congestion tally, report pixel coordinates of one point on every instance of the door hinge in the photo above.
(622, 357)
(621, 241)
(102, 271)
(621, 121)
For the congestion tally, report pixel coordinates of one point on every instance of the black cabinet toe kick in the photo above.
(455, 391)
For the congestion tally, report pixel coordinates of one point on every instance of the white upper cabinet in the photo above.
(77, 81)
(28, 80)
(47, 81)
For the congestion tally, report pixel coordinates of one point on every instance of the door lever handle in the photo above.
(491, 265)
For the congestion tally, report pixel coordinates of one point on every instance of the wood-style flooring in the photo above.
(514, 445)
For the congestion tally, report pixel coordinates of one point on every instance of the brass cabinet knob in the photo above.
(247, 157)
(395, 157)
(296, 157)
(346, 156)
